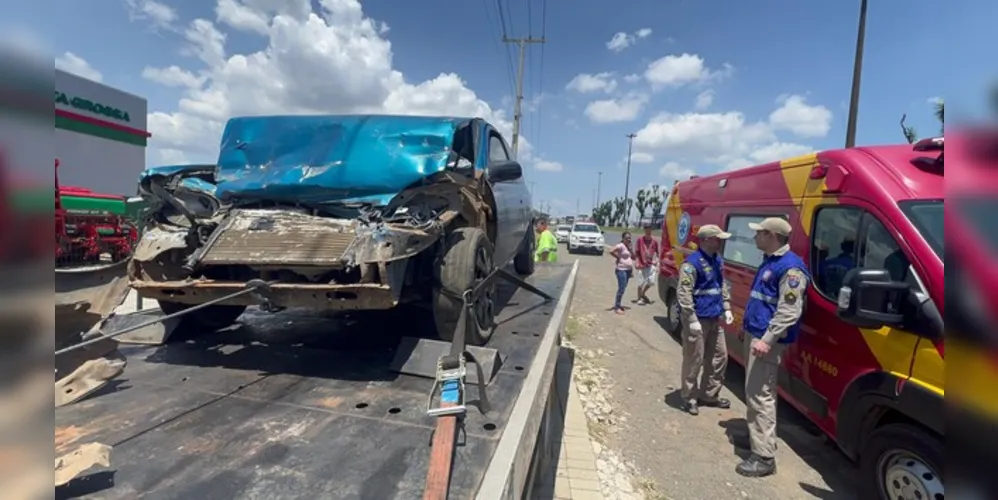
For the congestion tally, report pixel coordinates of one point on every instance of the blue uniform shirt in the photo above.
(773, 311)
(708, 287)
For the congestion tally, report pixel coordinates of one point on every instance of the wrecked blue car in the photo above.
(336, 213)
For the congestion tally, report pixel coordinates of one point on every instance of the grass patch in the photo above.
(599, 431)
(572, 328)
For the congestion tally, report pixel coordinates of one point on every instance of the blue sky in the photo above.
(754, 56)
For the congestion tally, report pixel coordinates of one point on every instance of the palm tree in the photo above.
(940, 115)
(938, 109)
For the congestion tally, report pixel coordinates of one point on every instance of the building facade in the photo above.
(100, 135)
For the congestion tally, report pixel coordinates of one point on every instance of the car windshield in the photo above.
(563, 229)
(586, 228)
(927, 216)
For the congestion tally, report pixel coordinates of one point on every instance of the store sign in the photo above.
(89, 106)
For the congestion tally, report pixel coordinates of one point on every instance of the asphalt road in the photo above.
(679, 456)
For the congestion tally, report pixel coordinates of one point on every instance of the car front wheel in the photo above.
(467, 261)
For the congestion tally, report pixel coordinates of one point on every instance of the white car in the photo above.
(561, 233)
(586, 237)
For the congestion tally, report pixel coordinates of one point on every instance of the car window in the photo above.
(833, 247)
(740, 248)
(497, 150)
(586, 228)
(881, 251)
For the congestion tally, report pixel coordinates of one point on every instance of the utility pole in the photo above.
(599, 183)
(857, 71)
(627, 179)
(517, 115)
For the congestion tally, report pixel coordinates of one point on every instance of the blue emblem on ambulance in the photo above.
(684, 228)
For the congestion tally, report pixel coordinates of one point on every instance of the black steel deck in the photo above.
(296, 406)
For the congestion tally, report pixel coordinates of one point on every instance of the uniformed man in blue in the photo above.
(704, 300)
(772, 321)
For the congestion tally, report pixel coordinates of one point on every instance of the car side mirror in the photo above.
(505, 171)
(869, 298)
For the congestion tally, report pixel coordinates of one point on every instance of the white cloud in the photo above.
(632, 78)
(713, 141)
(335, 60)
(934, 100)
(804, 120)
(72, 63)
(779, 151)
(641, 157)
(704, 99)
(159, 15)
(173, 76)
(622, 40)
(684, 69)
(673, 171)
(586, 83)
(616, 110)
(548, 166)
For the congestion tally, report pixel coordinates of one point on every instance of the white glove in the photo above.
(728, 317)
(696, 327)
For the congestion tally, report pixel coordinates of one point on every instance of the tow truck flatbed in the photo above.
(290, 405)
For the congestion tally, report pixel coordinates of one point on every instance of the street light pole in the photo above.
(627, 180)
(599, 183)
(857, 71)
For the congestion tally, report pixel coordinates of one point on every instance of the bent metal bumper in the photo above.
(336, 297)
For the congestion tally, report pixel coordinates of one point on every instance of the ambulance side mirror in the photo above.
(869, 298)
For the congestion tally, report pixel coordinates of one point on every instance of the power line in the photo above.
(498, 46)
(540, 72)
(505, 34)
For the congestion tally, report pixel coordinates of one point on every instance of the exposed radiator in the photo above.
(279, 238)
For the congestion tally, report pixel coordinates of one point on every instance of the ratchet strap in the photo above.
(450, 381)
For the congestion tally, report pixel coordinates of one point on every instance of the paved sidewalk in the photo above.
(574, 477)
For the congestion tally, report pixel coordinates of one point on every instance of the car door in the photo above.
(512, 201)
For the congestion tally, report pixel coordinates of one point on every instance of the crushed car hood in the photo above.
(319, 159)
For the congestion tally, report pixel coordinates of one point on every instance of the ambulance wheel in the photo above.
(523, 263)
(902, 461)
(673, 325)
(205, 320)
(466, 261)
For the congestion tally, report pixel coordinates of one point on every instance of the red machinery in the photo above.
(89, 224)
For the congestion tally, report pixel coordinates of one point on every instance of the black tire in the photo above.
(467, 259)
(523, 263)
(883, 464)
(205, 320)
(673, 324)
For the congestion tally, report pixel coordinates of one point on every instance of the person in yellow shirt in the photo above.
(547, 244)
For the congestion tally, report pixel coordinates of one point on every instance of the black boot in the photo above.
(721, 403)
(691, 407)
(756, 466)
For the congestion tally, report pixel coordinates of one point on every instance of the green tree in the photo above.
(618, 212)
(642, 202)
(657, 200)
(939, 110)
